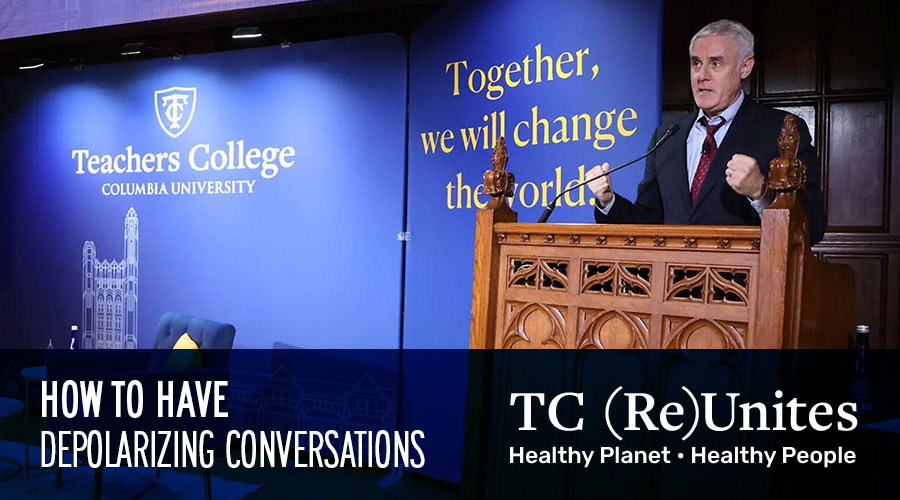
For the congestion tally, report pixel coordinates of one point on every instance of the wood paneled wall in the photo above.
(836, 66)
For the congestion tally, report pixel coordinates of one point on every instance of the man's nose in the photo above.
(703, 74)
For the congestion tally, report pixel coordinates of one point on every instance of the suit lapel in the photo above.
(732, 143)
(675, 161)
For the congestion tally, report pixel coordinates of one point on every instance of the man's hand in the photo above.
(602, 187)
(744, 177)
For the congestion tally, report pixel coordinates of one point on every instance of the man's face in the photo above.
(716, 73)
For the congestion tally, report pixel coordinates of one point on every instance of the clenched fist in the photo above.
(602, 187)
(743, 175)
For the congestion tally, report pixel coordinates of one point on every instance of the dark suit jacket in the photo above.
(663, 195)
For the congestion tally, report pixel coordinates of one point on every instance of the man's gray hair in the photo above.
(742, 37)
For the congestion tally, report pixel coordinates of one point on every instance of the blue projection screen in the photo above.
(262, 188)
(569, 85)
(522, 70)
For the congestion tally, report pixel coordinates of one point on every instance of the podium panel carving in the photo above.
(610, 329)
(534, 326)
(708, 285)
(623, 296)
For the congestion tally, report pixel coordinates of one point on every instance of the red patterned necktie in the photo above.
(706, 157)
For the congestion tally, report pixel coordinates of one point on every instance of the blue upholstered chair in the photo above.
(214, 340)
(206, 333)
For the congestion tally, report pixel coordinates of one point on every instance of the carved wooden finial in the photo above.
(500, 156)
(789, 140)
(499, 182)
(787, 173)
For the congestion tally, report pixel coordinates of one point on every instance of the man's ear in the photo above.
(747, 67)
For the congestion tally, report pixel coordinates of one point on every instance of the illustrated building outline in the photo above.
(109, 294)
(284, 402)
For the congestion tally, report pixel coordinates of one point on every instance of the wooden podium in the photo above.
(575, 286)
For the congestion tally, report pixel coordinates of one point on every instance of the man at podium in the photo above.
(713, 169)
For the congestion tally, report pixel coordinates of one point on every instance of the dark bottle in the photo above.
(860, 381)
(73, 340)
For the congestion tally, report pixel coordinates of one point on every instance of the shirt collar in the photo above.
(729, 112)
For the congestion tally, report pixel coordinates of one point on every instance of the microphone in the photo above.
(549, 210)
(705, 149)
